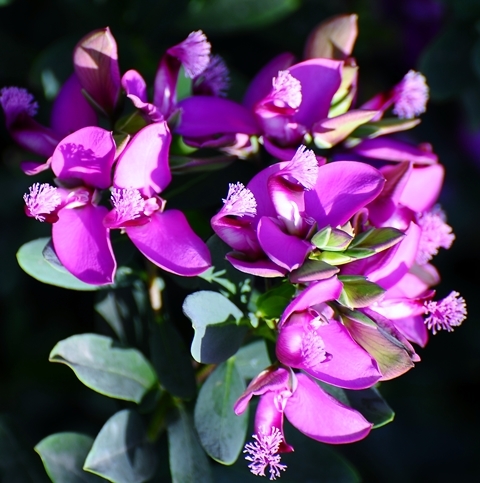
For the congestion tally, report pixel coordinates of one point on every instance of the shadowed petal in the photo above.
(169, 242)
(86, 154)
(321, 417)
(82, 244)
(208, 116)
(144, 163)
(71, 111)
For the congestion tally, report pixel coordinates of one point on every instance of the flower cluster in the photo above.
(347, 215)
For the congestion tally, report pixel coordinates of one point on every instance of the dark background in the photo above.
(435, 433)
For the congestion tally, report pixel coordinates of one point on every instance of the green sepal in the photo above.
(358, 292)
(130, 124)
(312, 270)
(377, 239)
(374, 129)
(332, 239)
(334, 258)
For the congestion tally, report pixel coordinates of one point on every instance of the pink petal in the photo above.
(95, 61)
(86, 154)
(343, 188)
(82, 244)
(414, 329)
(321, 417)
(71, 111)
(262, 268)
(209, 116)
(320, 79)
(169, 242)
(423, 187)
(144, 163)
(389, 149)
(133, 83)
(262, 82)
(316, 293)
(287, 251)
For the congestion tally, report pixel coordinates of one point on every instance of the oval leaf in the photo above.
(63, 455)
(105, 367)
(214, 318)
(31, 258)
(221, 431)
(121, 452)
(188, 461)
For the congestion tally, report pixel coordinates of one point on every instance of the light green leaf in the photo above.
(222, 433)
(214, 318)
(359, 292)
(188, 461)
(252, 359)
(31, 258)
(104, 366)
(121, 452)
(63, 455)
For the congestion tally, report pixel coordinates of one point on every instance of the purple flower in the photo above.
(308, 407)
(292, 200)
(310, 338)
(164, 237)
(82, 163)
(70, 112)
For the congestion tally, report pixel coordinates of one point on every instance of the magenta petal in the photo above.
(423, 187)
(321, 417)
(262, 82)
(95, 61)
(347, 364)
(414, 329)
(71, 111)
(342, 189)
(169, 242)
(86, 154)
(82, 244)
(262, 268)
(281, 153)
(31, 168)
(288, 251)
(144, 163)
(209, 116)
(320, 79)
(389, 149)
(133, 83)
(316, 293)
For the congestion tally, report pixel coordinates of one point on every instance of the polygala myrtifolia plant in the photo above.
(312, 287)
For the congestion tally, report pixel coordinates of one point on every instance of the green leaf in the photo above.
(271, 304)
(188, 461)
(104, 366)
(63, 455)
(222, 433)
(214, 318)
(121, 452)
(252, 359)
(168, 350)
(359, 292)
(231, 15)
(377, 239)
(31, 258)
